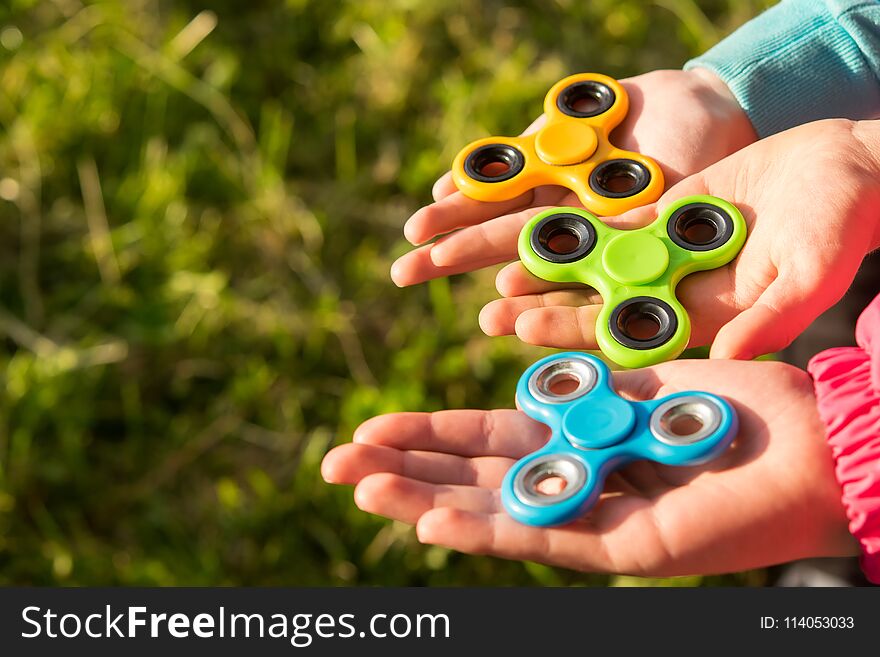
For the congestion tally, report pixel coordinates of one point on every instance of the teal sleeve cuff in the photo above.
(801, 61)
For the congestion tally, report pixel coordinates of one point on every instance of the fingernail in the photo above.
(420, 533)
(326, 474)
(397, 274)
(482, 320)
(436, 254)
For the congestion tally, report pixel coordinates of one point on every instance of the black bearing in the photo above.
(563, 223)
(595, 92)
(700, 227)
(655, 310)
(479, 158)
(634, 172)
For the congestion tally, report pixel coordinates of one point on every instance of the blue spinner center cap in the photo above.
(600, 424)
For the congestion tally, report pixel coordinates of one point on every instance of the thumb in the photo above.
(645, 214)
(779, 315)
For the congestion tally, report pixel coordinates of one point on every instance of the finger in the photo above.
(457, 211)
(770, 324)
(496, 238)
(515, 280)
(417, 267)
(443, 187)
(690, 186)
(640, 384)
(645, 214)
(536, 125)
(710, 299)
(559, 327)
(499, 317)
(349, 463)
(400, 498)
(504, 432)
(631, 219)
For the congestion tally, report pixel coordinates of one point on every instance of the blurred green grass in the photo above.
(199, 204)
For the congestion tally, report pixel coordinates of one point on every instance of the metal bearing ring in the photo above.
(582, 372)
(566, 467)
(702, 410)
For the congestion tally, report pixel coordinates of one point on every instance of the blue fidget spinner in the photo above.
(594, 431)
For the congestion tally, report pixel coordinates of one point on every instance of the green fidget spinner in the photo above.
(635, 271)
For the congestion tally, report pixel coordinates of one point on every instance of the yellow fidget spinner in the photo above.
(572, 150)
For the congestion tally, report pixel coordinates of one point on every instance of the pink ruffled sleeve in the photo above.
(847, 383)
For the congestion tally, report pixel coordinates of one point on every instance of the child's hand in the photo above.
(685, 120)
(811, 199)
(772, 497)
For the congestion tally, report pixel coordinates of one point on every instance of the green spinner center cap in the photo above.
(635, 258)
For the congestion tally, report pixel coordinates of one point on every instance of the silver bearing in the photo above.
(543, 379)
(567, 468)
(673, 415)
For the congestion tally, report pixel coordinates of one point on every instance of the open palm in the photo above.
(809, 197)
(771, 497)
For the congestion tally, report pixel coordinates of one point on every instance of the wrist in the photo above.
(725, 108)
